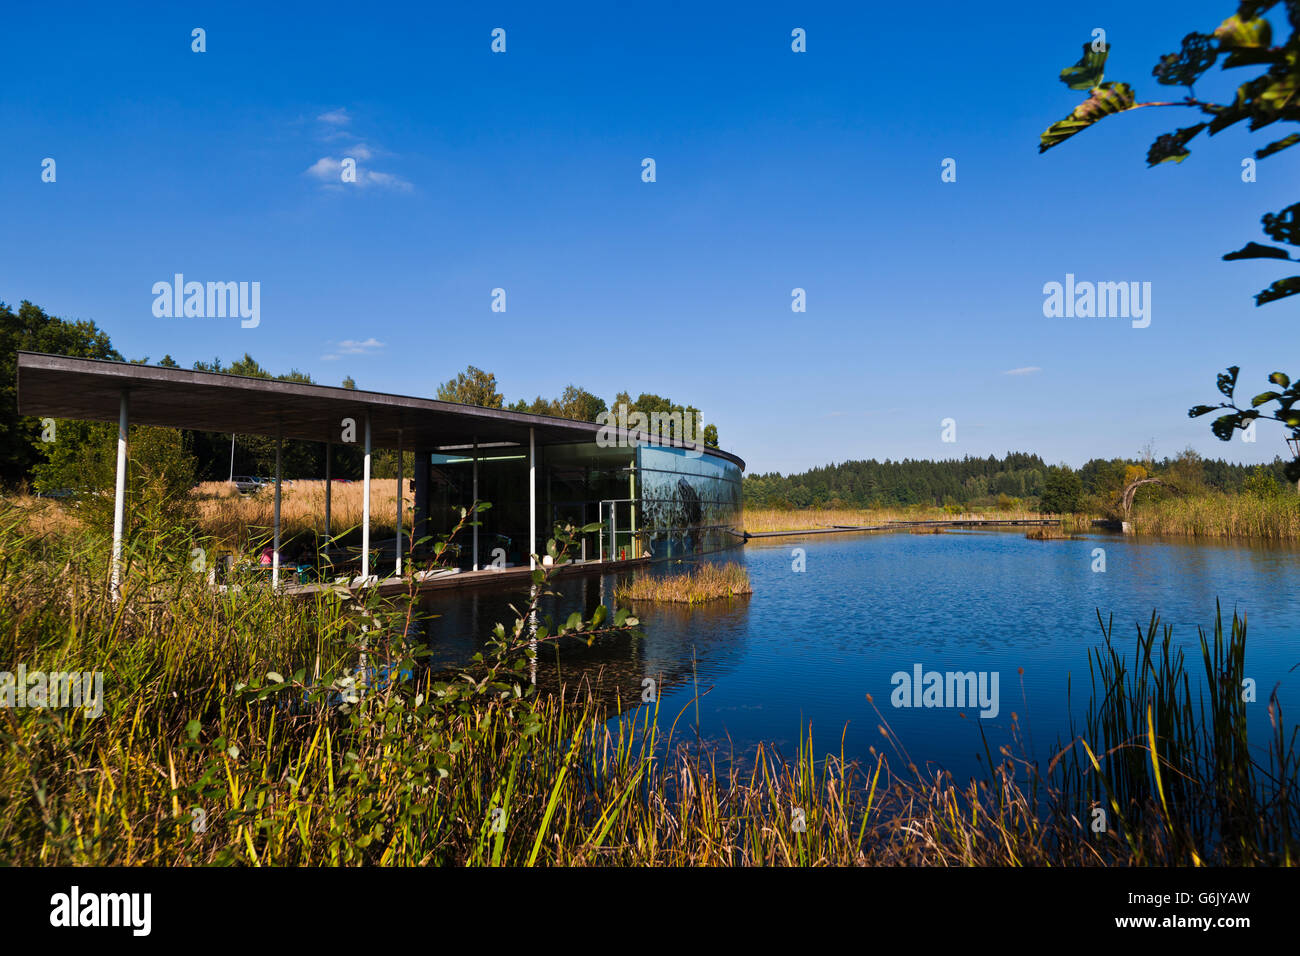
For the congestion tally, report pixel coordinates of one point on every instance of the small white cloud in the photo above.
(326, 168)
(338, 117)
(329, 170)
(386, 180)
(352, 347)
(1027, 370)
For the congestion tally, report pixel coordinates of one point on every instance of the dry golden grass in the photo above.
(1222, 516)
(707, 582)
(773, 519)
(1048, 534)
(226, 514)
(42, 516)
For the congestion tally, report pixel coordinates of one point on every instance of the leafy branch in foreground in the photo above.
(1244, 39)
(1241, 418)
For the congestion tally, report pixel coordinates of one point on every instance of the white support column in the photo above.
(119, 494)
(365, 508)
(275, 518)
(329, 485)
(400, 492)
(475, 503)
(532, 500)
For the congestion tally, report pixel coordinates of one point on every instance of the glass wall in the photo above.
(649, 501)
(687, 505)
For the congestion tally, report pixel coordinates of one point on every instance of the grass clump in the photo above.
(1048, 533)
(707, 582)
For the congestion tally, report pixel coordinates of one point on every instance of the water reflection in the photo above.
(809, 647)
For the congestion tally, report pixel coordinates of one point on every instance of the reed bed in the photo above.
(807, 519)
(226, 515)
(1222, 516)
(236, 730)
(705, 582)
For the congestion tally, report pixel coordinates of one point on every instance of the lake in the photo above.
(809, 646)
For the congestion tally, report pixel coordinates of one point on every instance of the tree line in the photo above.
(1015, 481)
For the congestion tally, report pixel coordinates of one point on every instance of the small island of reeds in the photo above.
(706, 582)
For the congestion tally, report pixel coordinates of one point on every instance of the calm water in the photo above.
(809, 647)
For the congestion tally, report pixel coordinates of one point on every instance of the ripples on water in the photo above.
(808, 647)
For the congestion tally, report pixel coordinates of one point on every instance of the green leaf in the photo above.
(1263, 397)
(1253, 250)
(1106, 100)
(1280, 378)
(1173, 146)
(1196, 411)
(1280, 289)
(1227, 380)
(1224, 426)
(192, 729)
(1087, 73)
(1184, 67)
(1283, 226)
(1235, 33)
(1277, 147)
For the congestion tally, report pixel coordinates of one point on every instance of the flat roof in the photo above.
(90, 390)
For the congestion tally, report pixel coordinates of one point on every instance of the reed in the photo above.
(1222, 516)
(705, 582)
(1048, 533)
(228, 516)
(775, 519)
(237, 729)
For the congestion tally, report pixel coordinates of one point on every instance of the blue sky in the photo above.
(775, 170)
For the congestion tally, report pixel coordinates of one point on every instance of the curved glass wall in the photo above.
(686, 505)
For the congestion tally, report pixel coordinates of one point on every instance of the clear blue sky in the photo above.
(775, 170)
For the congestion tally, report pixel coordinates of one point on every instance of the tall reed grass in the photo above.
(1222, 516)
(254, 730)
(705, 582)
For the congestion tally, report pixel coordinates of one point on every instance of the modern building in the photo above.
(653, 498)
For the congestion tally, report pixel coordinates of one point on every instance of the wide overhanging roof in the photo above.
(91, 389)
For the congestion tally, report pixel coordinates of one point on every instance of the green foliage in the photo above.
(575, 403)
(83, 459)
(1243, 39)
(1062, 491)
(1286, 397)
(866, 484)
(471, 387)
(1263, 483)
(31, 329)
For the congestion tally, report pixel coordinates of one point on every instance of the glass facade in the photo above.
(650, 501)
(687, 505)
